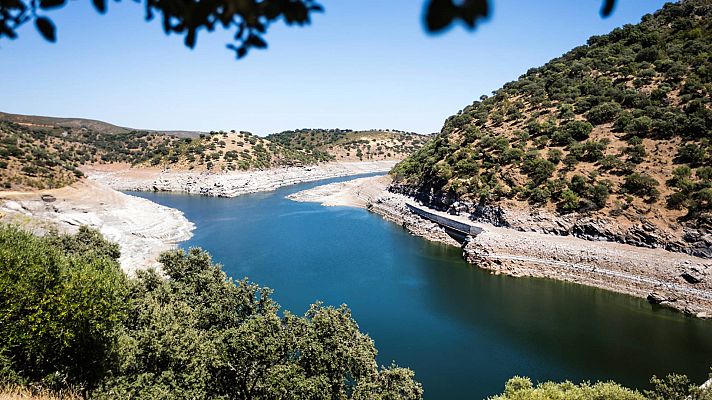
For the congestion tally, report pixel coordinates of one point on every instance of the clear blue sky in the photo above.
(361, 64)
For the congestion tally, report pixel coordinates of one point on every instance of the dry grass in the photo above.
(20, 393)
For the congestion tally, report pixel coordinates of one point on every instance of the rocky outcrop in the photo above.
(696, 241)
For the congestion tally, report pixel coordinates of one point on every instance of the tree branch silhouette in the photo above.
(249, 19)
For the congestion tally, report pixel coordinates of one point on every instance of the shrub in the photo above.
(691, 154)
(702, 200)
(522, 389)
(578, 130)
(569, 201)
(539, 195)
(599, 193)
(538, 169)
(554, 155)
(642, 185)
(704, 173)
(603, 113)
(640, 126)
(61, 307)
(635, 150)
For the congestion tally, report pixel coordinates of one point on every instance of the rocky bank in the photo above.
(665, 278)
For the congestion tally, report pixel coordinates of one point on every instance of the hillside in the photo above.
(609, 141)
(348, 145)
(46, 152)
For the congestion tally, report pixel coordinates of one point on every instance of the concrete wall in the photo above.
(449, 223)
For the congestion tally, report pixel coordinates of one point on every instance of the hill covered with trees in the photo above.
(348, 145)
(46, 152)
(616, 132)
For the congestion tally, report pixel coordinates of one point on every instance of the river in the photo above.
(463, 330)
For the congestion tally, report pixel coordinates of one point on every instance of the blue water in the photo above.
(463, 330)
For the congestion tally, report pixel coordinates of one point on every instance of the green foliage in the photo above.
(68, 315)
(603, 113)
(635, 150)
(642, 185)
(676, 387)
(61, 306)
(578, 130)
(690, 153)
(201, 335)
(519, 388)
(569, 201)
(538, 169)
(646, 81)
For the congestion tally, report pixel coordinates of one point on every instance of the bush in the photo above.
(61, 307)
(603, 113)
(640, 126)
(201, 335)
(569, 201)
(538, 169)
(68, 315)
(522, 389)
(642, 185)
(691, 153)
(635, 150)
(578, 130)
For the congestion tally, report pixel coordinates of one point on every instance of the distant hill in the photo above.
(618, 129)
(39, 122)
(47, 152)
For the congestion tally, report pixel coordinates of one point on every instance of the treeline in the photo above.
(49, 157)
(602, 126)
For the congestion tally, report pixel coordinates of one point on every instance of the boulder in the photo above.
(657, 298)
(692, 276)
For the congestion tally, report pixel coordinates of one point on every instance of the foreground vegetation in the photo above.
(69, 317)
(621, 125)
(73, 324)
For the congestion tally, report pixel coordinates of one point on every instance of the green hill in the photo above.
(348, 145)
(46, 152)
(617, 129)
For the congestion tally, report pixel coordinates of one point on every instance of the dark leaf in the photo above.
(471, 10)
(439, 15)
(46, 28)
(190, 38)
(256, 41)
(608, 6)
(48, 4)
(100, 5)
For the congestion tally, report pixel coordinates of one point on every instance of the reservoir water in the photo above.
(463, 330)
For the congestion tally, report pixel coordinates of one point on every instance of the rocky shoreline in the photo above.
(142, 228)
(227, 184)
(696, 241)
(672, 279)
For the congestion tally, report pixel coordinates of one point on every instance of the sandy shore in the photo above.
(655, 274)
(227, 184)
(142, 229)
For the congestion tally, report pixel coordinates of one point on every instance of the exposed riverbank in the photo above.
(225, 184)
(661, 276)
(142, 228)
